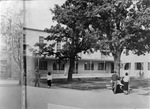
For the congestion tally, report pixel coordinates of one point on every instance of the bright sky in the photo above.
(38, 15)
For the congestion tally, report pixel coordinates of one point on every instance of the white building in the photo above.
(136, 65)
(94, 63)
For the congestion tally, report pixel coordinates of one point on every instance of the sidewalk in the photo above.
(9, 82)
(59, 98)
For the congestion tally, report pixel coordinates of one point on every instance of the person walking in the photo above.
(37, 78)
(126, 81)
(49, 79)
(114, 79)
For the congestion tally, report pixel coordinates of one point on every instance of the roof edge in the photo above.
(33, 29)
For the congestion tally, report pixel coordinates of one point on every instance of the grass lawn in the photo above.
(96, 83)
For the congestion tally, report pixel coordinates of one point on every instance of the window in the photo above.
(41, 39)
(127, 52)
(92, 66)
(88, 66)
(58, 66)
(139, 66)
(54, 66)
(43, 65)
(127, 66)
(58, 46)
(148, 65)
(102, 66)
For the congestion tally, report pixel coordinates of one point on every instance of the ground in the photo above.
(96, 83)
(92, 93)
(10, 96)
(80, 94)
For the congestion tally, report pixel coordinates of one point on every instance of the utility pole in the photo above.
(23, 67)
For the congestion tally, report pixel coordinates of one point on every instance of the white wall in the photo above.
(132, 58)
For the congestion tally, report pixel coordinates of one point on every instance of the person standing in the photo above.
(114, 79)
(49, 79)
(37, 78)
(126, 81)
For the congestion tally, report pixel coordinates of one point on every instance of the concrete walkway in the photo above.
(59, 98)
(10, 96)
(9, 82)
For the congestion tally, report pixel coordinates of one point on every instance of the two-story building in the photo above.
(94, 63)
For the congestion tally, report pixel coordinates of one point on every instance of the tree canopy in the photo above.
(70, 31)
(120, 25)
(12, 28)
(107, 25)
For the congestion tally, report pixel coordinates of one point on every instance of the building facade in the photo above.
(94, 63)
(136, 65)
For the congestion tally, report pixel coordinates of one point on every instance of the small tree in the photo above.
(70, 32)
(120, 25)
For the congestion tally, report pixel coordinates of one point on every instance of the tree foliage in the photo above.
(12, 28)
(70, 31)
(121, 25)
(107, 25)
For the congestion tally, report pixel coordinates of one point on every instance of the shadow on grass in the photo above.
(95, 83)
(137, 83)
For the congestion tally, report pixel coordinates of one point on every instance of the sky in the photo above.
(38, 15)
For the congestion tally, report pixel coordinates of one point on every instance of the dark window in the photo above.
(148, 65)
(102, 66)
(58, 66)
(138, 66)
(41, 39)
(54, 66)
(88, 66)
(92, 66)
(127, 66)
(43, 65)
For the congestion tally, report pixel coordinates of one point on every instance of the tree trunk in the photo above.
(117, 63)
(71, 68)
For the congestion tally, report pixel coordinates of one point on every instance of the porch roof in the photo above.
(106, 60)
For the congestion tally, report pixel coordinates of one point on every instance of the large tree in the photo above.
(11, 31)
(120, 24)
(69, 30)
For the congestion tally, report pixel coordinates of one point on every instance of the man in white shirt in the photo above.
(126, 78)
(126, 81)
(49, 79)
